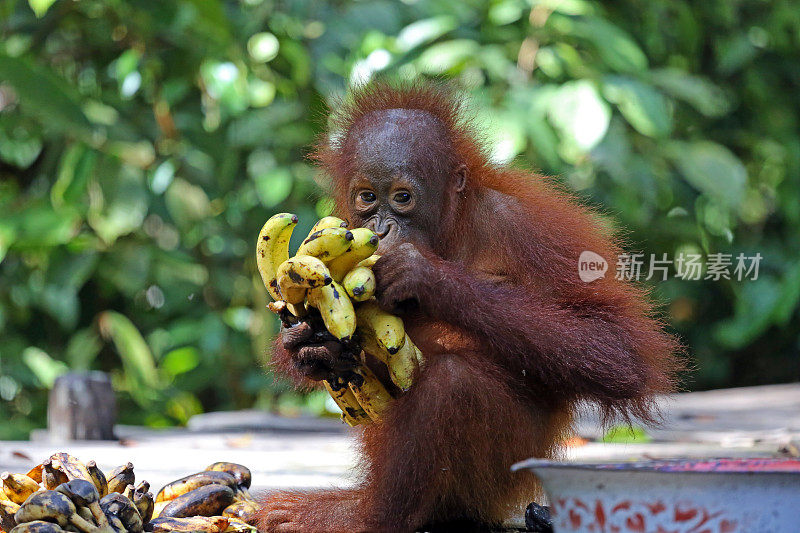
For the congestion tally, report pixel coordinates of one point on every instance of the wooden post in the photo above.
(82, 406)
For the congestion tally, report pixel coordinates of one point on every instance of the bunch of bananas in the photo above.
(216, 499)
(331, 276)
(63, 494)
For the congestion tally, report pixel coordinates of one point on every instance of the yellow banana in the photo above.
(17, 487)
(145, 503)
(388, 328)
(52, 506)
(158, 507)
(326, 244)
(293, 296)
(241, 473)
(98, 478)
(272, 249)
(328, 222)
(369, 343)
(208, 500)
(336, 309)
(51, 475)
(401, 364)
(303, 271)
(119, 510)
(352, 412)
(371, 394)
(369, 261)
(121, 477)
(359, 284)
(192, 482)
(364, 243)
(245, 511)
(298, 274)
(71, 466)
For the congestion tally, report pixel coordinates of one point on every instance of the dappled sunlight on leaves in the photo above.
(141, 149)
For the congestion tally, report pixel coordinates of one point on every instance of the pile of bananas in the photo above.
(331, 279)
(63, 494)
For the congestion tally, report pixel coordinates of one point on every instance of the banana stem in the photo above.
(100, 518)
(84, 525)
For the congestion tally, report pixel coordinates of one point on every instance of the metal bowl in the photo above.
(675, 496)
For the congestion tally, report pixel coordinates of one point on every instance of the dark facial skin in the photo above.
(404, 174)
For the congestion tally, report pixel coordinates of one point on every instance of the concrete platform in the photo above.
(309, 452)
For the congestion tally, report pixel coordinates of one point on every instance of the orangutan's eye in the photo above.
(367, 197)
(402, 197)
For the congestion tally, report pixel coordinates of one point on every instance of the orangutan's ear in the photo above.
(461, 177)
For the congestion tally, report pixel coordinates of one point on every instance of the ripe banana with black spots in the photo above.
(98, 478)
(359, 284)
(364, 244)
(298, 274)
(336, 310)
(370, 393)
(52, 476)
(272, 249)
(402, 364)
(326, 244)
(303, 271)
(331, 272)
(52, 506)
(120, 510)
(245, 511)
(189, 483)
(352, 412)
(71, 466)
(208, 500)
(388, 328)
(120, 478)
(240, 473)
(145, 503)
(328, 222)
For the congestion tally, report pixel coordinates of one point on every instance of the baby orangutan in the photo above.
(481, 262)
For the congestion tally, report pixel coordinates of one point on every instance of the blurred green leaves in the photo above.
(712, 169)
(141, 377)
(43, 95)
(642, 106)
(45, 368)
(142, 147)
(40, 7)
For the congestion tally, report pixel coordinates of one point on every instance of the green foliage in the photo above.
(143, 144)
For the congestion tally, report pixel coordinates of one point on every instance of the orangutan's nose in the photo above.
(380, 226)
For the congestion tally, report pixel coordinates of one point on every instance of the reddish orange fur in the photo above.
(513, 340)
